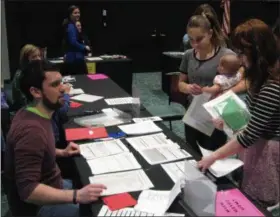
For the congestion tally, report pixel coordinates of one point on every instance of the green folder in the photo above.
(234, 115)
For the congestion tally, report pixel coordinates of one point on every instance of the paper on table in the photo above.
(94, 58)
(73, 134)
(97, 77)
(119, 101)
(105, 211)
(140, 128)
(75, 91)
(222, 167)
(102, 149)
(154, 118)
(116, 183)
(157, 202)
(150, 141)
(56, 61)
(236, 114)
(175, 170)
(87, 98)
(162, 155)
(115, 163)
(197, 117)
(234, 203)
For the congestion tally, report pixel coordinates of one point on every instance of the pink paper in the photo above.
(234, 203)
(97, 77)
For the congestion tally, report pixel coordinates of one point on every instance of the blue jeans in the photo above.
(60, 210)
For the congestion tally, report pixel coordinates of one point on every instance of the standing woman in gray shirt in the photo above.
(198, 69)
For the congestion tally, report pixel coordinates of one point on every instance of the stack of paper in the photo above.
(130, 212)
(157, 202)
(117, 183)
(120, 162)
(102, 149)
(162, 155)
(94, 58)
(222, 167)
(140, 128)
(121, 101)
(151, 141)
(174, 170)
(87, 98)
(154, 118)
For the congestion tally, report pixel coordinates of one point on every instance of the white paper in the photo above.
(102, 149)
(93, 58)
(75, 91)
(68, 78)
(162, 155)
(87, 98)
(209, 106)
(56, 61)
(150, 141)
(197, 117)
(154, 118)
(120, 101)
(157, 202)
(175, 170)
(140, 128)
(110, 112)
(122, 182)
(222, 167)
(115, 163)
(105, 211)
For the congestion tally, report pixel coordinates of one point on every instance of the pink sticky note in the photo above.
(97, 76)
(234, 203)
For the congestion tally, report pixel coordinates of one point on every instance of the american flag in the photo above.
(225, 4)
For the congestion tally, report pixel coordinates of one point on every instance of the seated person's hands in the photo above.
(67, 88)
(71, 149)
(90, 193)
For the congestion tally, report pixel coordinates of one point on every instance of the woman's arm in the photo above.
(241, 86)
(182, 85)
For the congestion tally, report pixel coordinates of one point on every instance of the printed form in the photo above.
(123, 182)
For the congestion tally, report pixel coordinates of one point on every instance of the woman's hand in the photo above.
(218, 124)
(206, 162)
(87, 48)
(194, 89)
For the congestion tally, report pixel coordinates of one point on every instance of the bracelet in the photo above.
(75, 196)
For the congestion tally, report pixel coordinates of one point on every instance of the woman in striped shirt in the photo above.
(258, 144)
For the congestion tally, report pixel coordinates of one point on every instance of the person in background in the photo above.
(198, 69)
(82, 38)
(36, 187)
(74, 57)
(186, 42)
(258, 143)
(29, 53)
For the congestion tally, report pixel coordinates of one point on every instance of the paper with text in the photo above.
(105, 211)
(94, 150)
(122, 182)
(197, 116)
(151, 141)
(222, 167)
(157, 202)
(115, 163)
(162, 155)
(154, 118)
(87, 98)
(119, 101)
(140, 128)
(174, 170)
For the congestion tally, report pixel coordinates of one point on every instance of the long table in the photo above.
(157, 175)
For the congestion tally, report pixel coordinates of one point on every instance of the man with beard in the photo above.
(35, 186)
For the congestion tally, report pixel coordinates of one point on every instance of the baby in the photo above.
(228, 75)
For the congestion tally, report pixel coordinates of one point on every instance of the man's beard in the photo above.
(51, 106)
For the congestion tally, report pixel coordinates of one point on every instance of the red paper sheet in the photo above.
(119, 201)
(74, 134)
(75, 104)
(234, 203)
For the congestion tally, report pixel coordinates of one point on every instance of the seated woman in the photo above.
(29, 53)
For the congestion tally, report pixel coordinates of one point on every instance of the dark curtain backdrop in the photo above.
(130, 25)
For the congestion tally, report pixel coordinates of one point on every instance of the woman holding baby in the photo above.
(199, 69)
